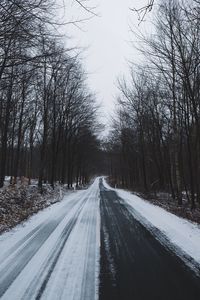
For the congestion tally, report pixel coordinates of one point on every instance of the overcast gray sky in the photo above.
(108, 40)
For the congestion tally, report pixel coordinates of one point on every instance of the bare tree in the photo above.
(157, 129)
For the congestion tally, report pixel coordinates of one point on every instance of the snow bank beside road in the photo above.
(183, 234)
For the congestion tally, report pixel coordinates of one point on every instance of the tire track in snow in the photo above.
(76, 273)
(20, 245)
(44, 275)
(17, 265)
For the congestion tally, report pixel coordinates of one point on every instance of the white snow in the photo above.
(76, 274)
(8, 239)
(74, 240)
(181, 235)
(66, 263)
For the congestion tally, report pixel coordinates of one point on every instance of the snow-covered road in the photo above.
(64, 252)
(56, 254)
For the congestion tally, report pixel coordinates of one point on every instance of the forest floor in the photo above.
(19, 202)
(165, 201)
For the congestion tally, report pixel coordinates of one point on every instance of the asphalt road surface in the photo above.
(134, 265)
(57, 255)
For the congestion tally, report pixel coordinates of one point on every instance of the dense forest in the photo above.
(155, 141)
(48, 116)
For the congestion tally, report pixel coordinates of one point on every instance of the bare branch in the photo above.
(142, 11)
